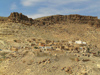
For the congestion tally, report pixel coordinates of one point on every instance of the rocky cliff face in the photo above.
(71, 19)
(19, 17)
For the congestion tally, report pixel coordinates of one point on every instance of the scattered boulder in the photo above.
(23, 61)
(14, 49)
(17, 41)
(77, 59)
(24, 53)
(27, 71)
(82, 74)
(98, 65)
(69, 70)
(85, 60)
(44, 60)
(13, 55)
(30, 62)
(39, 62)
(63, 68)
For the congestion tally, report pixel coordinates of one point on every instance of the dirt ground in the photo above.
(28, 62)
(62, 63)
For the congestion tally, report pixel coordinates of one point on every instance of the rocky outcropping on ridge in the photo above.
(20, 18)
(55, 19)
(71, 19)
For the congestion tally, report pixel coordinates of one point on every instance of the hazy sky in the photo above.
(40, 8)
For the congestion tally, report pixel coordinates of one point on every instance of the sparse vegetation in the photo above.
(3, 56)
(98, 52)
(88, 49)
(3, 18)
(41, 46)
(36, 47)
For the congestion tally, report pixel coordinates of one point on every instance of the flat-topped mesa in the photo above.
(20, 18)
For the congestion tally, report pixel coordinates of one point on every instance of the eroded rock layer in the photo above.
(55, 19)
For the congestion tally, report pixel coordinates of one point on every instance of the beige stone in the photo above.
(14, 49)
(68, 70)
(77, 59)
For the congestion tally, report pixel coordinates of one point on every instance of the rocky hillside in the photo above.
(50, 20)
(47, 45)
(20, 18)
(57, 27)
(52, 27)
(3, 18)
(70, 19)
(55, 19)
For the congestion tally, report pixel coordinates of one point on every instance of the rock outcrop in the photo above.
(56, 19)
(70, 19)
(20, 18)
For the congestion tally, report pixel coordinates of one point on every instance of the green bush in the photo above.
(15, 41)
(98, 52)
(88, 49)
(36, 47)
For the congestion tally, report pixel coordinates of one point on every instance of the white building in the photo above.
(80, 42)
(41, 47)
(84, 43)
(45, 47)
(48, 47)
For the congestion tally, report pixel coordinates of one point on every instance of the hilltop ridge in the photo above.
(54, 19)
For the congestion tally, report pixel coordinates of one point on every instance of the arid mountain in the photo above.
(47, 45)
(53, 27)
(55, 19)
(57, 27)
